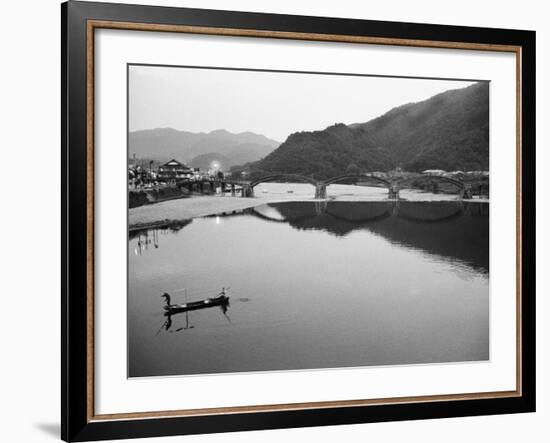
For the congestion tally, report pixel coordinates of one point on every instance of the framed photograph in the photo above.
(276, 221)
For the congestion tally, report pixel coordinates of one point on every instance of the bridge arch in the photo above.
(457, 183)
(350, 212)
(283, 177)
(263, 216)
(451, 211)
(357, 177)
(322, 186)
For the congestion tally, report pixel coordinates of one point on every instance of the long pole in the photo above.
(186, 312)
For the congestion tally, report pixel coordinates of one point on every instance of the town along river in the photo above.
(313, 285)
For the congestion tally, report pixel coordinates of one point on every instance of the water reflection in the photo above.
(147, 237)
(333, 284)
(454, 229)
(169, 322)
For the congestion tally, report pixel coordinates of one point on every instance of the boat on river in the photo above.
(221, 300)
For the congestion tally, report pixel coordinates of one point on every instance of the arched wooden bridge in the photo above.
(246, 188)
(393, 186)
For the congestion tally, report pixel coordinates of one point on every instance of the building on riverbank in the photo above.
(174, 170)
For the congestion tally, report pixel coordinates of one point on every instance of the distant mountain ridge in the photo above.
(447, 131)
(164, 144)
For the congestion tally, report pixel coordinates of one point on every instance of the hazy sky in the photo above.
(270, 103)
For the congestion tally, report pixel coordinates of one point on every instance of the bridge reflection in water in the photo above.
(457, 230)
(454, 229)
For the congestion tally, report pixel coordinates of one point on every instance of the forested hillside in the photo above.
(449, 131)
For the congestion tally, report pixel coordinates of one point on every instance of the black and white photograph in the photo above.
(284, 220)
(297, 221)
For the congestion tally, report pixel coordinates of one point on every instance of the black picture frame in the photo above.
(76, 422)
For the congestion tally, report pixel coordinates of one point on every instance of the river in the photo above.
(313, 285)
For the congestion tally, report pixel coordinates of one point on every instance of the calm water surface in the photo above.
(313, 285)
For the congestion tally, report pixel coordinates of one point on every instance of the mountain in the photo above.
(164, 144)
(448, 131)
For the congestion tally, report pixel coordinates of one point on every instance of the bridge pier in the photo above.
(466, 192)
(247, 191)
(393, 192)
(320, 191)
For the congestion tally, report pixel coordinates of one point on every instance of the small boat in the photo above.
(220, 300)
(290, 191)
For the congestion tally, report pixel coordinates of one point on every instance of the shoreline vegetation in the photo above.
(181, 211)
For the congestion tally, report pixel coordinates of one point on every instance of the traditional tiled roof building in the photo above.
(174, 170)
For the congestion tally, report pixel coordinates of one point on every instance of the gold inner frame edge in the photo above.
(120, 25)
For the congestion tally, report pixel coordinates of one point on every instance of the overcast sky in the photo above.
(270, 103)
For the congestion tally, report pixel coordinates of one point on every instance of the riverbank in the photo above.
(193, 207)
(167, 212)
(155, 195)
